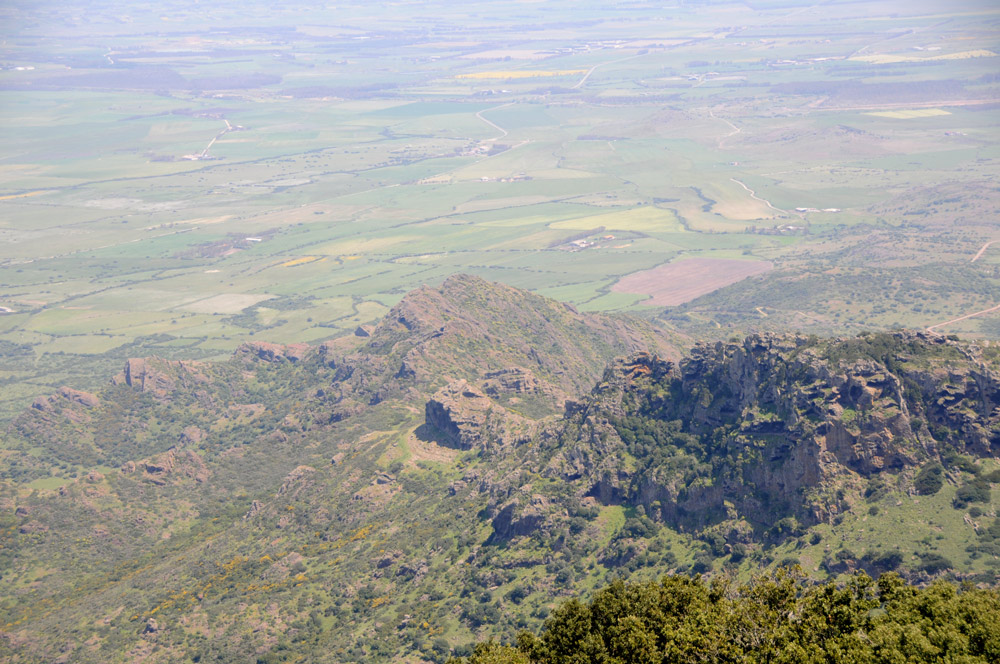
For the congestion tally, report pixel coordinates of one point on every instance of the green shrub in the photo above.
(956, 461)
(929, 480)
(932, 563)
(976, 491)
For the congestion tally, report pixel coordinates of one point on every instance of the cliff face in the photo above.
(461, 416)
(777, 426)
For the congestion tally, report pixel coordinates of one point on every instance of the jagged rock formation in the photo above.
(523, 516)
(776, 426)
(269, 352)
(52, 402)
(459, 412)
(463, 417)
(159, 377)
(512, 381)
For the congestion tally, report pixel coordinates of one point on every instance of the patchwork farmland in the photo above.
(177, 196)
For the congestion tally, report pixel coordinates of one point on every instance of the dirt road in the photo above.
(933, 328)
(601, 64)
(735, 129)
(981, 251)
(754, 196)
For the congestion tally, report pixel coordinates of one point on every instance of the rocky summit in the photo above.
(454, 471)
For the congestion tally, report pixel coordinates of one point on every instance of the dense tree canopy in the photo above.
(779, 619)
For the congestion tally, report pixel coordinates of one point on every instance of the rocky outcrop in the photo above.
(255, 509)
(172, 466)
(157, 376)
(275, 353)
(460, 416)
(523, 516)
(458, 412)
(139, 374)
(85, 399)
(513, 380)
(192, 435)
(66, 396)
(296, 481)
(775, 426)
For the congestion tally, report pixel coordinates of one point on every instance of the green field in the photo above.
(141, 218)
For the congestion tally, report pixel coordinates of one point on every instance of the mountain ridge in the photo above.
(361, 499)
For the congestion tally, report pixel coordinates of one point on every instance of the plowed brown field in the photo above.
(676, 283)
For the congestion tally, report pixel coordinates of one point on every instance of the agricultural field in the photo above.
(685, 280)
(177, 180)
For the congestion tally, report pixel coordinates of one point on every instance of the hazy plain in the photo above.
(177, 179)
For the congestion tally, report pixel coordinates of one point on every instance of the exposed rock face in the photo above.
(255, 509)
(171, 466)
(192, 435)
(139, 374)
(296, 481)
(775, 425)
(462, 417)
(515, 380)
(157, 376)
(277, 353)
(85, 399)
(852, 413)
(414, 571)
(459, 412)
(522, 517)
(66, 396)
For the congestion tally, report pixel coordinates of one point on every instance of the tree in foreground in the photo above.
(778, 619)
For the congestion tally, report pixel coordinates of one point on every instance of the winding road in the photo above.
(754, 196)
(493, 124)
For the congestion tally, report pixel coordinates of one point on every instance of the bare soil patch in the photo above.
(422, 448)
(676, 283)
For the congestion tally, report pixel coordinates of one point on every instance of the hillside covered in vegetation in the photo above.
(477, 458)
